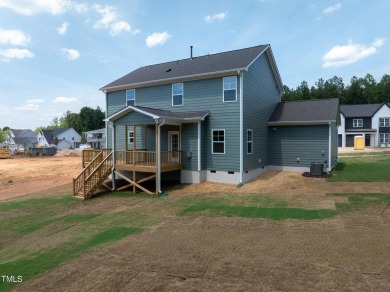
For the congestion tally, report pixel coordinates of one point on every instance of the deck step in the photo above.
(79, 196)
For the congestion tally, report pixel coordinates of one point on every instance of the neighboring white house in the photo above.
(96, 138)
(21, 140)
(372, 121)
(62, 138)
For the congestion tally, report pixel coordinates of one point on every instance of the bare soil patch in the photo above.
(20, 176)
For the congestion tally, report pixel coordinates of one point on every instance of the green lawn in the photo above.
(37, 235)
(362, 168)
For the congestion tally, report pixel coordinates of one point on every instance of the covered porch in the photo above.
(147, 142)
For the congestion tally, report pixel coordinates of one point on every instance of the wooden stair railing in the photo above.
(93, 176)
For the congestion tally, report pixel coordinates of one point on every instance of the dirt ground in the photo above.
(348, 252)
(20, 175)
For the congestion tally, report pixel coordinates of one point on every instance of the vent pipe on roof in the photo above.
(191, 51)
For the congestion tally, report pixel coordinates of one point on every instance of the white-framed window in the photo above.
(384, 138)
(130, 97)
(230, 88)
(177, 94)
(357, 123)
(384, 122)
(131, 137)
(249, 141)
(218, 141)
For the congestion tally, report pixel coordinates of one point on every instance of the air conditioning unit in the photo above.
(316, 168)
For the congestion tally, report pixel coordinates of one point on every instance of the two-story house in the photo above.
(21, 140)
(61, 138)
(96, 138)
(209, 118)
(372, 121)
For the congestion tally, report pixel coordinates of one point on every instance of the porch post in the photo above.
(113, 134)
(199, 148)
(134, 160)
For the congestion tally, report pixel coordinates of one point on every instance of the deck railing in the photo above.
(90, 154)
(78, 182)
(146, 158)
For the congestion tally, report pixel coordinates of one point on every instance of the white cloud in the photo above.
(117, 27)
(16, 53)
(28, 107)
(14, 37)
(35, 101)
(332, 9)
(108, 14)
(31, 7)
(63, 28)
(157, 38)
(63, 99)
(70, 54)
(81, 7)
(219, 16)
(340, 56)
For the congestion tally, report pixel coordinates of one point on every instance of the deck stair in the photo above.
(94, 176)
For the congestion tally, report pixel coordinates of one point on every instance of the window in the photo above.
(384, 122)
(384, 138)
(131, 137)
(357, 123)
(249, 141)
(230, 88)
(177, 94)
(130, 97)
(218, 141)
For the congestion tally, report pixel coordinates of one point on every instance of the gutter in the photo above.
(297, 123)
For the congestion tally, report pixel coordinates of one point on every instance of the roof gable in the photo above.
(360, 110)
(194, 68)
(319, 111)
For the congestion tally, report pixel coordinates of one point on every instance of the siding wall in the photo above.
(261, 96)
(198, 95)
(334, 137)
(349, 123)
(303, 142)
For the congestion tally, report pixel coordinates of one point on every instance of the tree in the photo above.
(384, 89)
(3, 134)
(304, 91)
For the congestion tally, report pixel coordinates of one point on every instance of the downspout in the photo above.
(241, 126)
(330, 148)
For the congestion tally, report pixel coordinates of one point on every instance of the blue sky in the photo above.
(56, 54)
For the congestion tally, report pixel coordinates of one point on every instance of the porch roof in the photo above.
(156, 114)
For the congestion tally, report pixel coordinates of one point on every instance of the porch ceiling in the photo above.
(158, 114)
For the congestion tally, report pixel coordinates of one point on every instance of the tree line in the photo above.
(86, 120)
(359, 91)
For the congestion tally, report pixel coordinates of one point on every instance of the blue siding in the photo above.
(261, 95)
(190, 144)
(204, 94)
(334, 136)
(288, 143)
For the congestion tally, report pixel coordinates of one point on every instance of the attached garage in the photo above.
(303, 132)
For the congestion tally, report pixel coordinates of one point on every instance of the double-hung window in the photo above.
(384, 122)
(357, 123)
(250, 141)
(218, 141)
(384, 138)
(131, 137)
(130, 97)
(230, 89)
(177, 94)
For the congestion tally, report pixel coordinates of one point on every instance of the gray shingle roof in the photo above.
(226, 61)
(306, 111)
(158, 113)
(360, 110)
(50, 134)
(174, 115)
